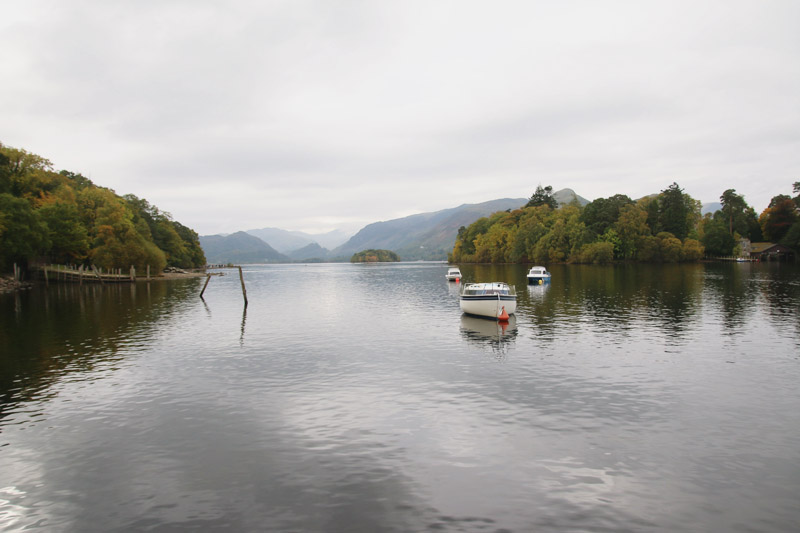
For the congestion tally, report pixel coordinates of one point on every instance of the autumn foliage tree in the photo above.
(63, 217)
(605, 230)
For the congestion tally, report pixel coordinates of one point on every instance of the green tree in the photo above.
(69, 239)
(648, 249)
(716, 239)
(796, 190)
(612, 237)
(692, 250)
(674, 212)
(543, 196)
(734, 210)
(5, 172)
(670, 246)
(596, 253)
(602, 213)
(23, 235)
(530, 228)
(631, 226)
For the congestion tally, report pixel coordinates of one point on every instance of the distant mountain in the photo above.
(710, 207)
(285, 241)
(239, 247)
(566, 196)
(311, 251)
(426, 236)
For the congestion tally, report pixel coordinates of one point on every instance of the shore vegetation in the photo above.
(63, 217)
(665, 227)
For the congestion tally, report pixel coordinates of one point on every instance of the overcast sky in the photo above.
(316, 115)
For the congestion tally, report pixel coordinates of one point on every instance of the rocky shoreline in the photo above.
(7, 284)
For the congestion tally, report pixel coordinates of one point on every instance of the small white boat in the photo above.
(453, 274)
(538, 275)
(489, 299)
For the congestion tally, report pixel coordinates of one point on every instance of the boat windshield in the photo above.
(481, 289)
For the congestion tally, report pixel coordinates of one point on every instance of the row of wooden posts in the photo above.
(241, 279)
(66, 273)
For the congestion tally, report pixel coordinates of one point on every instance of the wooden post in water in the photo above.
(244, 291)
(80, 275)
(148, 272)
(46, 279)
(208, 278)
(98, 274)
(133, 273)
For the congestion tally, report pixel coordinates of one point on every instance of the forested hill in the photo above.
(664, 227)
(62, 217)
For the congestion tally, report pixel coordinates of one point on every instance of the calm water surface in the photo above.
(358, 398)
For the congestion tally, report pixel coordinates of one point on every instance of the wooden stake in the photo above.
(208, 277)
(244, 291)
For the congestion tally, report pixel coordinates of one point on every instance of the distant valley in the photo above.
(425, 236)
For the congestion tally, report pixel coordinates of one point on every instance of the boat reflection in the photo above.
(487, 332)
(454, 287)
(538, 292)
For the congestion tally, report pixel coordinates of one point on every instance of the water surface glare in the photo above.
(359, 398)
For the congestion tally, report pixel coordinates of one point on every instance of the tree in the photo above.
(631, 226)
(734, 210)
(692, 250)
(600, 214)
(778, 217)
(716, 239)
(23, 236)
(596, 253)
(543, 196)
(671, 247)
(796, 190)
(69, 239)
(674, 212)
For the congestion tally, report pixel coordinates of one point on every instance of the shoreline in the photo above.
(8, 285)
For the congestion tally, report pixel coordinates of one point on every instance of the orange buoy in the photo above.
(503, 315)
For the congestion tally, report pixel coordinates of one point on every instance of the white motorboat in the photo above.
(494, 300)
(538, 275)
(453, 274)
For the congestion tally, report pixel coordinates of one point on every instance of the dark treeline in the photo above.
(62, 217)
(666, 227)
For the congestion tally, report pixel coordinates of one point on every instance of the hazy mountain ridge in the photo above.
(285, 241)
(710, 207)
(308, 252)
(567, 196)
(427, 236)
(239, 247)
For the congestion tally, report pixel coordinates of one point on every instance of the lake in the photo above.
(358, 398)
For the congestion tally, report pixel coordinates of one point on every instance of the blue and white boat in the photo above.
(491, 300)
(538, 275)
(453, 274)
